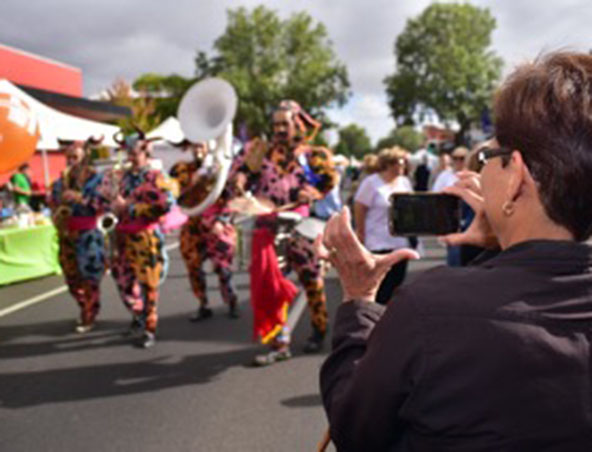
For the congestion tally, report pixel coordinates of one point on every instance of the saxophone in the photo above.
(107, 222)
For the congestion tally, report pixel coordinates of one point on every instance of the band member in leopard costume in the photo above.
(209, 235)
(139, 196)
(291, 173)
(81, 245)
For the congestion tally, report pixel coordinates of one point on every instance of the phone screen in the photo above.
(424, 214)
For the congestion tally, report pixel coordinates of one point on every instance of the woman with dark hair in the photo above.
(494, 356)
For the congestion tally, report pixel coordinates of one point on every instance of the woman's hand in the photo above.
(479, 233)
(360, 271)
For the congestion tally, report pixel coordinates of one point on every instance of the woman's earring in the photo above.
(508, 208)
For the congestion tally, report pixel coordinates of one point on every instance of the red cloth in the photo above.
(135, 226)
(82, 223)
(271, 292)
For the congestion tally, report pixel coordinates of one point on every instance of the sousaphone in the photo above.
(205, 113)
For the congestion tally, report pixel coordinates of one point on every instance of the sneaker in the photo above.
(314, 344)
(202, 313)
(147, 340)
(272, 357)
(83, 329)
(135, 328)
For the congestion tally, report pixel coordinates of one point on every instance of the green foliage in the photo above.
(268, 59)
(166, 91)
(353, 140)
(445, 65)
(404, 136)
(144, 113)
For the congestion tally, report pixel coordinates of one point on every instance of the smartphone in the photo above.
(424, 214)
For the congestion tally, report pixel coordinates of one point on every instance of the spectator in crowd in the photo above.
(369, 167)
(21, 185)
(371, 207)
(445, 179)
(444, 164)
(495, 356)
(422, 175)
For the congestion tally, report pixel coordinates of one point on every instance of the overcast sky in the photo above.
(109, 38)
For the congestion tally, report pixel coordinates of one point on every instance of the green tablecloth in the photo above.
(28, 253)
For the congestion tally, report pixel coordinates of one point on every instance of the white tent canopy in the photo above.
(54, 124)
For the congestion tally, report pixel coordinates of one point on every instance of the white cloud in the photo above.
(111, 38)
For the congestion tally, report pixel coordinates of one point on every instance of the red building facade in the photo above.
(23, 68)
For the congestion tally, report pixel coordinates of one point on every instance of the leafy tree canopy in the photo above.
(268, 59)
(144, 112)
(444, 64)
(404, 136)
(353, 141)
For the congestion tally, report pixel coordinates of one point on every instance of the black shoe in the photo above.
(314, 344)
(233, 311)
(202, 313)
(135, 328)
(147, 340)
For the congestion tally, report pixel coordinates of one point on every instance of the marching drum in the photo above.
(310, 228)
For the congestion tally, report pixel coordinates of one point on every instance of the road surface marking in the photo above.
(52, 293)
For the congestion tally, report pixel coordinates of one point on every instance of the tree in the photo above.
(268, 59)
(353, 141)
(444, 65)
(165, 90)
(404, 136)
(144, 113)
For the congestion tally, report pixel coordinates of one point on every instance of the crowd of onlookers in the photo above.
(393, 170)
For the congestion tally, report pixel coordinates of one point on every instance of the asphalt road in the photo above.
(194, 391)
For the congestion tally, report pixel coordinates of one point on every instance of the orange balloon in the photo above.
(19, 132)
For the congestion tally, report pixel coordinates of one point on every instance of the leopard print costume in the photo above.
(81, 250)
(209, 235)
(138, 260)
(280, 177)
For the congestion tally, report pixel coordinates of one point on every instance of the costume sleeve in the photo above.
(98, 198)
(190, 194)
(369, 378)
(152, 199)
(247, 166)
(321, 163)
(55, 195)
(89, 192)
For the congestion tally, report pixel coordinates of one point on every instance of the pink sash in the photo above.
(82, 223)
(133, 227)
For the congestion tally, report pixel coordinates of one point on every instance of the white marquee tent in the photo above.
(54, 124)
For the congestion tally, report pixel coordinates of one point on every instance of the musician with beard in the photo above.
(209, 235)
(81, 245)
(290, 175)
(140, 197)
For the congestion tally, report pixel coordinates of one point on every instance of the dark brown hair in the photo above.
(544, 110)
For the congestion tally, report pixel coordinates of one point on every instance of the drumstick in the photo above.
(325, 441)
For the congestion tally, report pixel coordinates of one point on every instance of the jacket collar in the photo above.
(560, 254)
